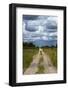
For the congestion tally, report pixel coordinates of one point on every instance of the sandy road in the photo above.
(48, 66)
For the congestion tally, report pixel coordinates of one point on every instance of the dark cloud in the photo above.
(51, 25)
(30, 17)
(34, 17)
(31, 28)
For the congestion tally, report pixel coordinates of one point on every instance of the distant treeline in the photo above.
(28, 45)
(31, 45)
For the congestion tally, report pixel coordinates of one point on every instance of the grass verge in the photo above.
(52, 52)
(28, 57)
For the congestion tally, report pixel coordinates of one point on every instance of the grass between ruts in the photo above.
(40, 66)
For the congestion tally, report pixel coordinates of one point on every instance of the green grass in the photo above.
(52, 52)
(28, 56)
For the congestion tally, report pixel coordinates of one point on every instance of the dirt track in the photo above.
(48, 66)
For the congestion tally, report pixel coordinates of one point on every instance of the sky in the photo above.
(40, 29)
